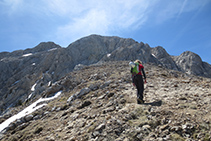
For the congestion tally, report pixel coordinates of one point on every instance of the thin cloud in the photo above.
(105, 18)
(80, 18)
(166, 10)
(92, 22)
(182, 8)
(111, 17)
(197, 7)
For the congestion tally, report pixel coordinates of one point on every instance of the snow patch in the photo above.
(29, 54)
(30, 96)
(33, 64)
(154, 55)
(33, 107)
(49, 83)
(52, 49)
(33, 87)
(108, 55)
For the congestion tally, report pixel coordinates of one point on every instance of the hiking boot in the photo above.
(140, 101)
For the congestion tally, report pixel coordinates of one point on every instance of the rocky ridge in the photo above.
(98, 103)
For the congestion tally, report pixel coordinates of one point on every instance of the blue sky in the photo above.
(176, 25)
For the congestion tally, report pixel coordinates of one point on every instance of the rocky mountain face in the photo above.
(39, 67)
(98, 102)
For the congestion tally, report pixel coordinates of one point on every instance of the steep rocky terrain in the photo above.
(98, 102)
(24, 70)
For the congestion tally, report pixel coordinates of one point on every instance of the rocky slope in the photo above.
(98, 102)
(39, 67)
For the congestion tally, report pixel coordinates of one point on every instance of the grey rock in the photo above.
(94, 87)
(37, 117)
(28, 118)
(71, 98)
(18, 122)
(110, 109)
(107, 83)
(22, 126)
(100, 127)
(176, 128)
(78, 67)
(83, 92)
(85, 104)
(52, 90)
(11, 126)
(140, 136)
(96, 133)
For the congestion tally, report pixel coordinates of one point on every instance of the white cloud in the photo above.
(109, 17)
(102, 17)
(67, 8)
(92, 22)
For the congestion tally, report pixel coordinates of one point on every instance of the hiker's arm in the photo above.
(142, 69)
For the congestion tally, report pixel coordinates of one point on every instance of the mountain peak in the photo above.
(43, 46)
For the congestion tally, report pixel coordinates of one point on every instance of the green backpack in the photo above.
(135, 70)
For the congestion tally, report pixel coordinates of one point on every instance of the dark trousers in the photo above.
(138, 81)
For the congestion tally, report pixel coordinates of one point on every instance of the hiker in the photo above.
(137, 69)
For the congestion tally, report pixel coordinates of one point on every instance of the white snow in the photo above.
(29, 54)
(34, 106)
(33, 64)
(52, 49)
(154, 55)
(33, 87)
(108, 55)
(29, 96)
(49, 83)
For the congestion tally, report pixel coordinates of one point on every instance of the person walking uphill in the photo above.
(137, 69)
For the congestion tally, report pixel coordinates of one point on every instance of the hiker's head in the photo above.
(138, 61)
(132, 64)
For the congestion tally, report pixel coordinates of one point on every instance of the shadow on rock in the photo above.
(155, 103)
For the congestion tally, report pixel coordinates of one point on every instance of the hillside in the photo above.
(98, 102)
